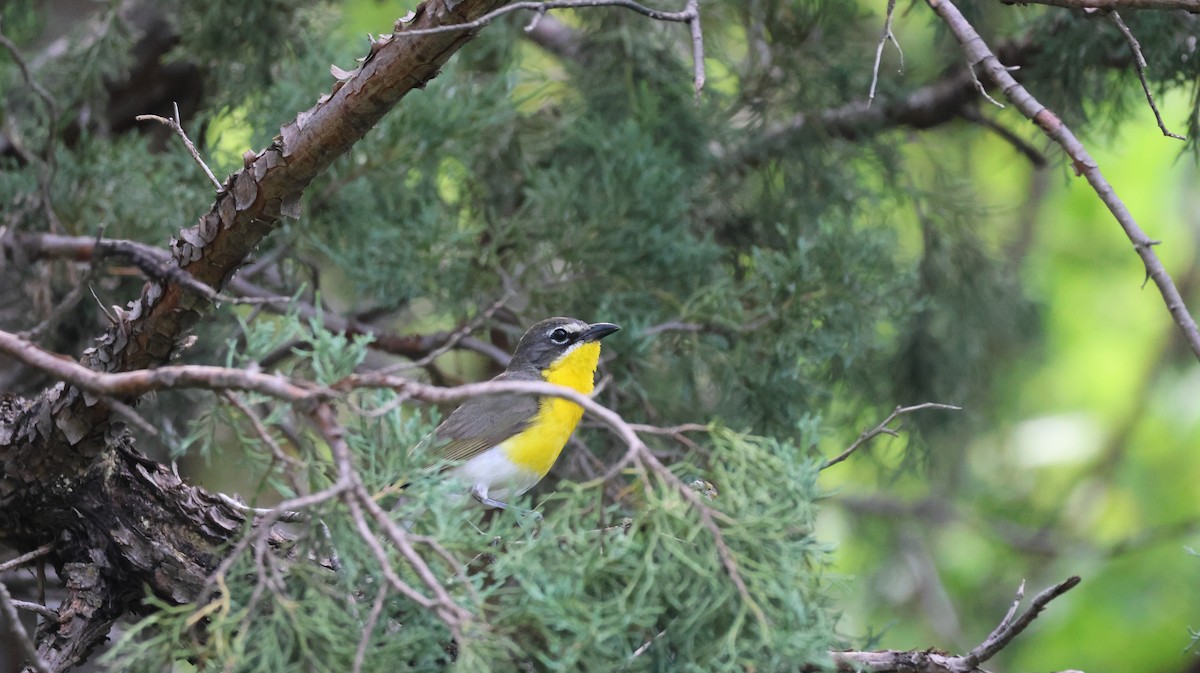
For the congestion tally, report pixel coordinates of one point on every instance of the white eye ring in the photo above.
(560, 336)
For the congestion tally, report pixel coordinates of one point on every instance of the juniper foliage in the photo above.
(772, 293)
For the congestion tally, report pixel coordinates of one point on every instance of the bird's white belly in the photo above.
(501, 479)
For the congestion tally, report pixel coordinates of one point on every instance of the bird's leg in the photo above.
(480, 493)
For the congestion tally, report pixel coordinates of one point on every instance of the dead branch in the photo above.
(884, 36)
(930, 661)
(177, 126)
(884, 428)
(1139, 65)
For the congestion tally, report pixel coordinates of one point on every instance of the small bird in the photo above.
(508, 443)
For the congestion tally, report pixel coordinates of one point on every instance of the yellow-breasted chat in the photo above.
(508, 443)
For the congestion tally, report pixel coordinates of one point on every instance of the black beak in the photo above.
(597, 331)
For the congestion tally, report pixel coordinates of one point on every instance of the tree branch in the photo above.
(884, 429)
(8, 610)
(690, 15)
(977, 52)
(930, 661)
(1192, 6)
(176, 125)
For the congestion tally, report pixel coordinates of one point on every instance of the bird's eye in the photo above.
(560, 336)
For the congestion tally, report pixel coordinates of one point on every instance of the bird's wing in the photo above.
(481, 423)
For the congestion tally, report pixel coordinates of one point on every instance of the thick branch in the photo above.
(258, 197)
(68, 474)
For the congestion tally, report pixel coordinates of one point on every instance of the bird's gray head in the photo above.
(551, 338)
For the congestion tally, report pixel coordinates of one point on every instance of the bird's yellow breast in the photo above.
(539, 445)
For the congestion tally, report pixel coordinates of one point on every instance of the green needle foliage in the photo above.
(775, 288)
(633, 585)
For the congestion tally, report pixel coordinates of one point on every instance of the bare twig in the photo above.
(884, 36)
(368, 629)
(1192, 6)
(698, 76)
(931, 661)
(283, 515)
(884, 429)
(690, 15)
(64, 307)
(675, 326)
(983, 89)
(977, 52)
(1008, 629)
(177, 126)
(140, 382)
(357, 499)
(290, 465)
(263, 530)
(1139, 64)
(26, 557)
(456, 336)
(669, 430)
(47, 612)
(18, 631)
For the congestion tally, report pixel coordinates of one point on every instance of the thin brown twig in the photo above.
(884, 35)
(708, 519)
(280, 512)
(27, 557)
(64, 307)
(669, 430)
(690, 15)
(368, 629)
(284, 515)
(17, 631)
(1139, 65)
(978, 52)
(142, 381)
(884, 429)
(357, 499)
(277, 453)
(47, 612)
(455, 337)
(1035, 156)
(177, 126)
(698, 76)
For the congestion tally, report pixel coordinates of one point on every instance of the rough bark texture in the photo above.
(69, 473)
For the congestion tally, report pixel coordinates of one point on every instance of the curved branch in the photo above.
(977, 52)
